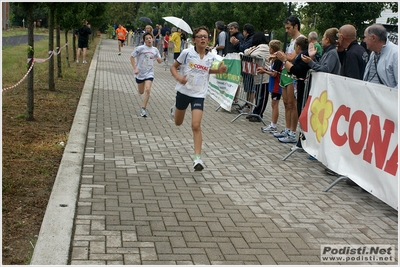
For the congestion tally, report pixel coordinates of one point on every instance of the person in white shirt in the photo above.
(144, 69)
(195, 66)
(382, 66)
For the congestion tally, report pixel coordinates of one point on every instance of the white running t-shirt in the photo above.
(145, 61)
(196, 71)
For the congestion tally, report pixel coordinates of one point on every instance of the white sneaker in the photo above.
(283, 133)
(143, 112)
(290, 138)
(268, 129)
(172, 111)
(77, 61)
(84, 62)
(198, 165)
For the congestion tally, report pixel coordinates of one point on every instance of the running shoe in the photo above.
(290, 138)
(143, 112)
(77, 61)
(172, 111)
(268, 129)
(283, 133)
(84, 62)
(198, 165)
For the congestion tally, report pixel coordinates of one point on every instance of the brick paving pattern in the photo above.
(141, 203)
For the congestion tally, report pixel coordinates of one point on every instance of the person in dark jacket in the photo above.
(329, 61)
(354, 57)
(233, 28)
(248, 32)
(83, 40)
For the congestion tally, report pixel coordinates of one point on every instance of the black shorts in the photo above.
(142, 81)
(176, 55)
(166, 49)
(183, 101)
(83, 44)
(122, 41)
(275, 96)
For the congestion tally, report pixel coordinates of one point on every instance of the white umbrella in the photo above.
(180, 23)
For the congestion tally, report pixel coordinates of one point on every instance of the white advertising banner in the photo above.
(351, 127)
(222, 87)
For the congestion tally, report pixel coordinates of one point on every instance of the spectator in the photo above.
(165, 29)
(288, 135)
(156, 34)
(313, 38)
(259, 48)
(121, 33)
(192, 86)
(354, 57)
(234, 32)
(232, 48)
(165, 45)
(273, 86)
(382, 66)
(329, 61)
(299, 69)
(83, 40)
(183, 39)
(176, 39)
(220, 44)
(143, 68)
(248, 32)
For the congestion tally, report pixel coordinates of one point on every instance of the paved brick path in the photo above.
(141, 203)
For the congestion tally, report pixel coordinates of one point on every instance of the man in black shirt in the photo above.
(233, 28)
(353, 56)
(83, 40)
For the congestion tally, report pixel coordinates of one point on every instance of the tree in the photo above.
(52, 85)
(336, 14)
(394, 7)
(31, 53)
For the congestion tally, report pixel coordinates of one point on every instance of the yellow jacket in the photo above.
(176, 38)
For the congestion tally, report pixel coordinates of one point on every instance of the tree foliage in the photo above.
(337, 14)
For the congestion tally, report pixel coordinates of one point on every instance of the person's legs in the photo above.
(286, 104)
(291, 107)
(78, 54)
(275, 111)
(84, 54)
(119, 46)
(197, 115)
(145, 90)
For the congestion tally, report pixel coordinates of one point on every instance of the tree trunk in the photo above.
(74, 43)
(67, 48)
(30, 93)
(58, 38)
(52, 86)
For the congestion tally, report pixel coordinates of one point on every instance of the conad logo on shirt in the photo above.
(197, 66)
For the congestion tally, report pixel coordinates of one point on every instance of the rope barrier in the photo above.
(37, 60)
